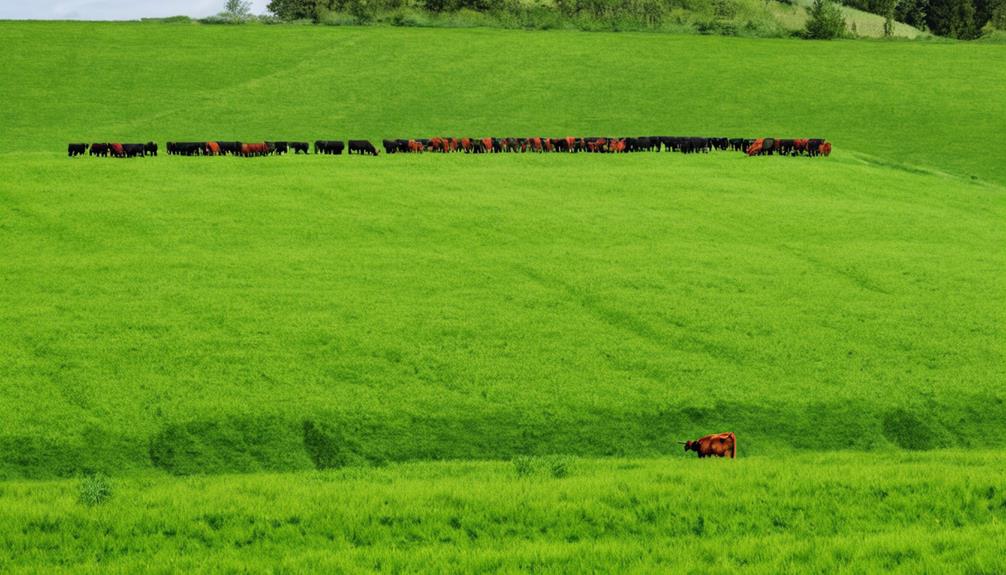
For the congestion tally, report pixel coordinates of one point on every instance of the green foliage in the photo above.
(953, 18)
(826, 21)
(730, 17)
(94, 489)
(887, 10)
(294, 9)
(237, 11)
(912, 12)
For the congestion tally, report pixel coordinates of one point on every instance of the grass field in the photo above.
(822, 514)
(178, 316)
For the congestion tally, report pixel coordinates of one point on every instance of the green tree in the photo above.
(911, 12)
(887, 11)
(826, 21)
(954, 18)
(991, 13)
(997, 16)
(294, 9)
(237, 11)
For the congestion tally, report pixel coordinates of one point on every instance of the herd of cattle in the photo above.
(752, 147)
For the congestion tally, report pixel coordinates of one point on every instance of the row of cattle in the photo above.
(114, 150)
(686, 145)
(328, 147)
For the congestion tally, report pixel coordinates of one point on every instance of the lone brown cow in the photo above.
(716, 445)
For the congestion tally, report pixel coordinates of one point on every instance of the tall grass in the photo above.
(940, 512)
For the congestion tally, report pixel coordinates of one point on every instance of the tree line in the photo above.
(963, 19)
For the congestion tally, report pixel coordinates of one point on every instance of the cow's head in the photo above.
(691, 446)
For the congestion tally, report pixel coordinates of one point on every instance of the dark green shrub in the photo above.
(826, 21)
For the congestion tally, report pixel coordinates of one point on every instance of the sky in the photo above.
(112, 9)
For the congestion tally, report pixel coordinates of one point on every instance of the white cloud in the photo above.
(112, 9)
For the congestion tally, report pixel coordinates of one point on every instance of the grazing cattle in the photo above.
(186, 148)
(150, 149)
(134, 150)
(255, 150)
(99, 150)
(756, 146)
(233, 148)
(116, 150)
(300, 147)
(212, 149)
(329, 147)
(362, 147)
(785, 147)
(76, 150)
(818, 147)
(278, 148)
(716, 445)
(390, 146)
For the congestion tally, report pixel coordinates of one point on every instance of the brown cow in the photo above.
(249, 150)
(716, 445)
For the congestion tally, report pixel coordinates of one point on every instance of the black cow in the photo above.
(278, 148)
(299, 147)
(99, 150)
(329, 147)
(362, 147)
(133, 150)
(76, 150)
(232, 148)
(150, 149)
(186, 148)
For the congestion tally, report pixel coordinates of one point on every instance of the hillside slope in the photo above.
(213, 315)
(931, 105)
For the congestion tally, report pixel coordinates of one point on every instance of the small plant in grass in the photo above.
(523, 465)
(559, 467)
(95, 489)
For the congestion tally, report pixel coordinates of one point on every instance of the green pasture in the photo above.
(218, 314)
(266, 359)
(837, 513)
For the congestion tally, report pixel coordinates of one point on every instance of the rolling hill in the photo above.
(174, 316)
